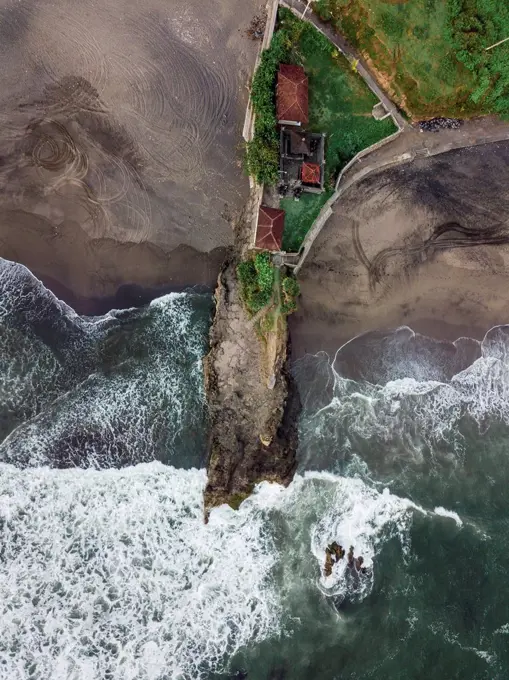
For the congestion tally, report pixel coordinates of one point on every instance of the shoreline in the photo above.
(127, 296)
(424, 246)
(116, 176)
(305, 342)
(95, 276)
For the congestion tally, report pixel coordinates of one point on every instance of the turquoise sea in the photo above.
(107, 571)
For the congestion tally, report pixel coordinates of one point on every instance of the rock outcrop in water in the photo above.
(253, 410)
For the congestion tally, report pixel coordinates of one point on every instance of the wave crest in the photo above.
(399, 397)
(114, 574)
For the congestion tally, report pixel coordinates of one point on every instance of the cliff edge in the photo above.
(253, 410)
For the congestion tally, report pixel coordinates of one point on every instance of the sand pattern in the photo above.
(121, 122)
(425, 244)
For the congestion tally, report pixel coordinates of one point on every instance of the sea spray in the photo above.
(347, 510)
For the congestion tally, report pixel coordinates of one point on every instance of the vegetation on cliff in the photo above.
(431, 55)
(256, 277)
(290, 292)
(262, 152)
(264, 292)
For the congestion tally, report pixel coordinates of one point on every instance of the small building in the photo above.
(270, 228)
(310, 174)
(292, 95)
(301, 161)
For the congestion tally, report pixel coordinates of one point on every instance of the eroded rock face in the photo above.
(253, 435)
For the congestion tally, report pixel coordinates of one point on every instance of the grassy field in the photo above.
(430, 54)
(299, 216)
(340, 104)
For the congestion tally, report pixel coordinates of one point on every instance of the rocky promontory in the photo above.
(253, 410)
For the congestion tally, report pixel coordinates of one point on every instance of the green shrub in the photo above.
(264, 270)
(291, 290)
(262, 160)
(246, 273)
(262, 152)
(289, 307)
(291, 286)
(256, 278)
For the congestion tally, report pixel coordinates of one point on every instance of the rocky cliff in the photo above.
(253, 410)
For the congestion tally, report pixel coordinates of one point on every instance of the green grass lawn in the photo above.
(299, 217)
(430, 53)
(340, 104)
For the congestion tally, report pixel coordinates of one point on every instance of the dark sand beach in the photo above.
(119, 139)
(425, 244)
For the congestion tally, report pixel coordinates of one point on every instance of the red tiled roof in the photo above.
(269, 232)
(292, 94)
(310, 173)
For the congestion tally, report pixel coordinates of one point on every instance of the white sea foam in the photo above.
(110, 390)
(26, 361)
(114, 574)
(321, 507)
(443, 512)
(362, 517)
(409, 412)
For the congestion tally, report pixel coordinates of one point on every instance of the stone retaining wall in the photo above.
(271, 8)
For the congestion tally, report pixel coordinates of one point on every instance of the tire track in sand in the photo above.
(75, 51)
(179, 94)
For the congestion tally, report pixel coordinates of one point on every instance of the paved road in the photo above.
(349, 51)
(412, 143)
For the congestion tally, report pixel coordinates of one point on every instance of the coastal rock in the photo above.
(253, 427)
(437, 124)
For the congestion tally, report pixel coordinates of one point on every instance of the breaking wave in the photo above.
(353, 514)
(113, 573)
(105, 391)
(107, 569)
(404, 390)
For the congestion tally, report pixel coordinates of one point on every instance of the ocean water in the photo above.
(107, 570)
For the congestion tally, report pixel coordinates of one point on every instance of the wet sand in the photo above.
(119, 139)
(424, 245)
